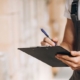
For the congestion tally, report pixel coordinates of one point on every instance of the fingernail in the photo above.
(58, 55)
(72, 52)
(55, 56)
(53, 44)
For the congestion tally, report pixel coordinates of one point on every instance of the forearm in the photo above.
(68, 38)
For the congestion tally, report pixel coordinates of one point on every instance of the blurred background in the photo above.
(20, 23)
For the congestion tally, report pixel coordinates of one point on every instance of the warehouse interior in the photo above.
(20, 23)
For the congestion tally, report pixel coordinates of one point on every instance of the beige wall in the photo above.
(20, 23)
(57, 20)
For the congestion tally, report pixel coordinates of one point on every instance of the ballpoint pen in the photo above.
(48, 36)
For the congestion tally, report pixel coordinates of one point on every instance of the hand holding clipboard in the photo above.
(47, 54)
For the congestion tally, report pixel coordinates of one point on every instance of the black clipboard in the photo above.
(47, 54)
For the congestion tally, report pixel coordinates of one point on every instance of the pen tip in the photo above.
(41, 29)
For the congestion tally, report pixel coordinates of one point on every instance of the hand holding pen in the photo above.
(47, 41)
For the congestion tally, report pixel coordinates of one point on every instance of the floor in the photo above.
(64, 74)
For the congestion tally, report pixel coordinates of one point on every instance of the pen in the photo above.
(48, 36)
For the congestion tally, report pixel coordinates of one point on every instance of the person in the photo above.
(67, 43)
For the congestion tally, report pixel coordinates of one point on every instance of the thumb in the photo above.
(75, 53)
(55, 39)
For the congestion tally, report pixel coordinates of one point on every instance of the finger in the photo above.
(65, 57)
(75, 53)
(73, 68)
(55, 39)
(68, 58)
(71, 64)
(47, 40)
(45, 44)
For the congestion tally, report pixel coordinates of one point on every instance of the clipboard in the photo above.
(47, 54)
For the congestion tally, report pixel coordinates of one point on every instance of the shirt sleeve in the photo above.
(67, 12)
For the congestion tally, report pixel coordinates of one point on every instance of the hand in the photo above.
(47, 42)
(73, 62)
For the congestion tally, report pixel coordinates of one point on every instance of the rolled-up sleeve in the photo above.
(67, 12)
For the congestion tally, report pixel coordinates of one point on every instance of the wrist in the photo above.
(66, 46)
